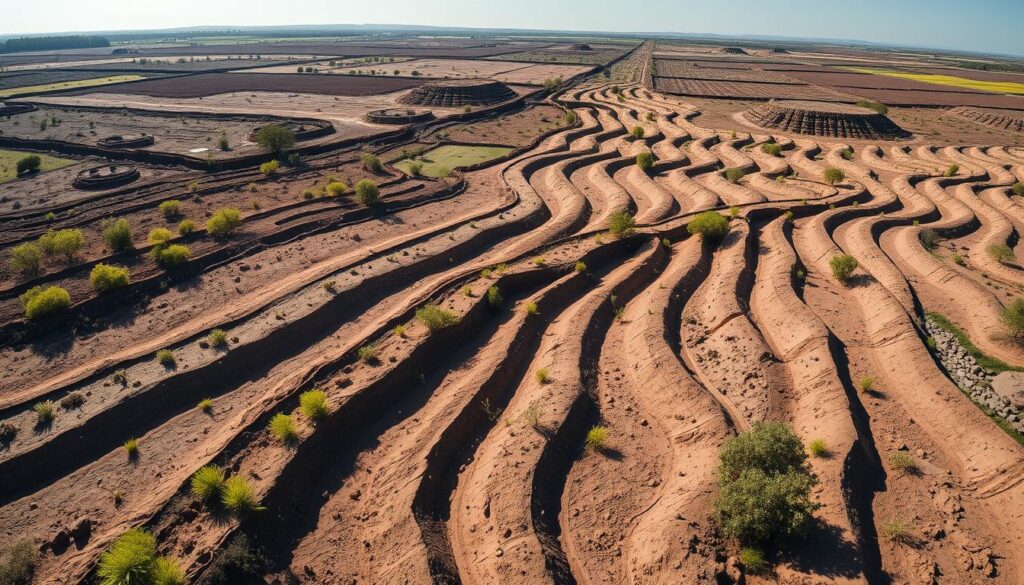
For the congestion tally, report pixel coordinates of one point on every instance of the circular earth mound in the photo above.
(459, 92)
(136, 141)
(1012, 120)
(824, 119)
(399, 116)
(731, 51)
(302, 129)
(106, 176)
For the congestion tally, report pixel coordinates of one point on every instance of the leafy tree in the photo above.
(29, 164)
(710, 225)
(65, 243)
(275, 138)
(26, 258)
(621, 223)
(842, 266)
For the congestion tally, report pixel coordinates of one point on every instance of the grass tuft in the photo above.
(282, 428)
(208, 483)
(313, 404)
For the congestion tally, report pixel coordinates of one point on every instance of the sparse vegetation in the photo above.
(282, 428)
(876, 106)
(165, 358)
(108, 277)
(367, 353)
(45, 412)
(238, 497)
(645, 160)
(223, 222)
(903, 461)
(19, 563)
(929, 238)
(371, 162)
(1000, 252)
(818, 448)
(217, 338)
(951, 171)
(64, 243)
(42, 302)
(208, 483)
(897, 531)
(186, 227)
(131, 447)
(270, 167)
(367, 192)
(494, 298)
(531, 308)
(1013, 318)
(753, 560)
(117, 233)
(26, 258)
(637, 132)
(733, 174)
(621, 224)
(709, 225)
(275, 138)
(542, 376)
(866, 384)
(133, 559)
(436, 318)
(171, 209)
(171, 256)
(1018, 189)
(772, 148)
(597, 438)
(205, 405)
(313, 404)
(834, 175)
(842, 266)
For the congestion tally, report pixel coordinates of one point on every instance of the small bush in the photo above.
(173, 255)
(45, 412)
(131, 447)
(753, 560)
(876, 106)
(270, 167)
(1000, 252)
(903, 461)
(171, 209)
(1013, 318)
(569, 117)
(26, 258)
(580, 266)
(236, 563)
(205, 405)
(897, 531)
(117, 233)
(847, 154)
(733, 175)
(107, 277)
(951, 171)
(772, 148)
(645, 160)
(186, 227)
(621, 224)
(133, 559)
(637, 132)
(367, 353)
(710, 225)
(371, 162)
(958, 259)
(494, 298)
(415, 168)
(929, 238)
(866, 384)
(436, 318)
(597, 438)
(531, 308)
(223, 222)
(208, 483)
(72, 401)
(238, 497)
(29, 164)
(7, 432)
(834, 175)
(42, 302)
(542, 376)
(19, 563)
(400, 330)
(275, 138)
(313, 404)
(336, 188)
(282, 428)
(64, 243)
(217, 338)
(818, 448)
(1018, 189)
(165, 357)
(159, 236)
(842, 266)
(367, 192)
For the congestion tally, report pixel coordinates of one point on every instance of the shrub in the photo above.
(897, 531)
(367, 353)
(400, 330)
(1013, 318)
(772, 148)
(436, 318)
(170, 208)
(876, 106)
(834, 175)
(238, 562)
(223, 143)
(337, 188)
(133, 559)
(26, 258)
(866, 384)
(223, 222)
(313, 404)
(645, 160)
(581, 266)
(42, 302)
(172, 255)
(72, 401)
(818, 448)
(415, 169)
(733, 174)
(494, 298)
(753, 560)
(45, 412)
(764, 484)
(903, 461)
(131, 446)
(19, 563)
(531, 308)
(165, 357)
(637, 132)
(208, 483)
(159, 236)
(621, 224)
(1018, 189)
(542, 375)
(847, 153)
(65, 243)
(107, 277)
(117, 233)
(710, 225)
(186, 227)
(167, 572)
(371, 162)
(597, 438)
(929, 238)
(570, 117)
(270, 167)
(951, 171)
(29, 164)
(217, 338)
(7, 432)
(842, 266)
(367, 192)
(282, 428)
(1000, 252)
(294, 160)
(205, 405)
(958, 259)
(275, 138)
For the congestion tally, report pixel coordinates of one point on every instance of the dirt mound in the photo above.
(731, 51)
(462, 92)
(106, 176)
(582, 47)
(128, 141)
(1012, 120)
(399, 116)
(771, 51)
(824, 119)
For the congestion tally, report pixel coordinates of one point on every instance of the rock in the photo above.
(733, 570)
(1009, 387)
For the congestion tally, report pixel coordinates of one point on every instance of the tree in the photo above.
(842, 266)
(710, 225)
(65, 243)
(29, 164)
(834, 175)
(621, 223)
(275, 138)
(26, 258)
(645, 160)
(367, 192)
(764, 485)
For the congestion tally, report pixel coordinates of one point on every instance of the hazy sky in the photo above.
(977, 25)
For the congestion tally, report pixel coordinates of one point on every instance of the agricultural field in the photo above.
(89, 82)
(1010, 87)
(704, 318)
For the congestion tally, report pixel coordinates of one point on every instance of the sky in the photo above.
(988, 26)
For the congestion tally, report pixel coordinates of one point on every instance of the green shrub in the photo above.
(217, 338)
(1018, 189)
(847, 153)
(866, 384)
(223, 143)
(621, 224)
(818, 448)
(842, 266)
(117, 233)
(275, 138)
(205, 405)
(170, 208)
(569, 117)
(1000, 252)
(270, 167)
(367, 192)
(371, 162)
(400, 330)
(19, 563)
(65, 243)
(958, 259)
(876, 106)
(597, 438)
(531, 308)
(645, 160)
(72, 401)
(132, 559)
(208, 483)
(436, 318)
(753, 560)
(415, 168)
(159, 236)
(772, 148)
(581, 266)
(897, 531)
(313, 404)
(929, 238)
(29, 164)
(167, 572)
(107, 277)
(131, 446)
(637, 132)
(282, 428)
(951, 171)
(186, 227)
(1013, 318)
(26, 258)
(710, 225)
(165, 357)
(367, 353)
(764, 485)
(223, 222)
(903, 461)
(542, 375)
(494, 298)
(337, 188)
(42, 302)
(834, 175)
(173, 255)
(733, 174)
(45, 412)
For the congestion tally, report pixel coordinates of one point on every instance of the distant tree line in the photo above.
(51, 43)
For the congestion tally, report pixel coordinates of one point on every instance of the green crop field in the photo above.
(948, 80)
(9, 161)
(439, 161)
